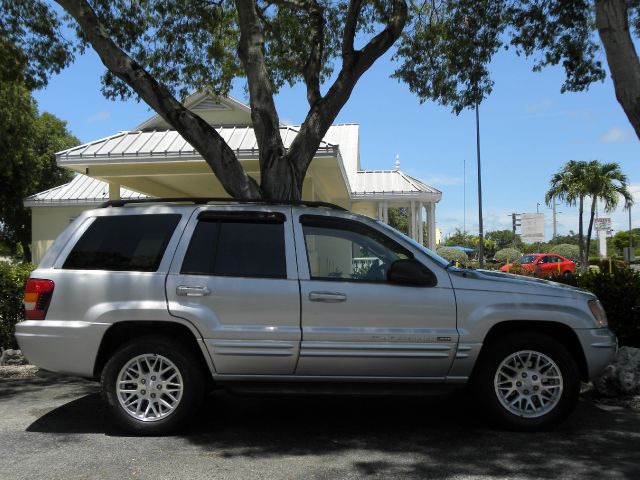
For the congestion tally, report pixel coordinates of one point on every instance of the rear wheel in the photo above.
(527, 381)
(152, 384)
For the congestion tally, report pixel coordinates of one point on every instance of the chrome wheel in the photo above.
(149, 387)
(528, 384)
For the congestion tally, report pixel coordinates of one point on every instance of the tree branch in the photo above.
(194, 129)
(314, 63)
(612, 20)
(354, 64)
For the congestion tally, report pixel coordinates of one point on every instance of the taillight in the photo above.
(37, 296)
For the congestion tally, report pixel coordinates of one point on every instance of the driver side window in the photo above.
(348, 250)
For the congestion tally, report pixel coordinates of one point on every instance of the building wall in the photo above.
(49, 222)
(370, 209)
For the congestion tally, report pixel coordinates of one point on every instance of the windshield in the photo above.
(527, 259)
(422, 248)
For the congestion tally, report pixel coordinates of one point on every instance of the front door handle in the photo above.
(192, 290)
(327, 297)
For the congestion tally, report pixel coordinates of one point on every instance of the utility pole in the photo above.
(555, 219)
(480, 227)
(464, 197)
(630, 237)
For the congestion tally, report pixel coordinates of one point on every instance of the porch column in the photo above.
(114, 191)
(385, 212)
(420, 224)
(412, 217)
(380, 211)
(431, 223)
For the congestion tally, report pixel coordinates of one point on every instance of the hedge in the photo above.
(566, 250)
(453, 254)
(12, 281)
(507, 255)
(619, 292)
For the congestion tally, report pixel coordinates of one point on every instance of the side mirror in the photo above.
(411, 272)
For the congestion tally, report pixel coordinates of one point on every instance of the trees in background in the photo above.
(504, 239)
(581, 180)
(28, 141)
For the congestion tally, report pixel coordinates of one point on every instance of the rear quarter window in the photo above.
(123, 243)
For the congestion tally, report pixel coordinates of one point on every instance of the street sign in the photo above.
(532, 227)
(602, 224)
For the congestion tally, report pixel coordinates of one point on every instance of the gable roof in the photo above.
(372, 183)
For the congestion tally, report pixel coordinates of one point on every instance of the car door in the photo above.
(234, 276)
(354, 322)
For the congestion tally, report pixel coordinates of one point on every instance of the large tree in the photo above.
(157, 50)
(28, 141)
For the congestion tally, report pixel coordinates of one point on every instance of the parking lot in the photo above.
(54, 428)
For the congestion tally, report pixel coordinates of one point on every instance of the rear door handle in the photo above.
(327, 297)
(192, 290)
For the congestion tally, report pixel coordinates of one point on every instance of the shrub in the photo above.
(619, 293)
(566, 250)
(507, 255)
(453, 254)
(12, 281)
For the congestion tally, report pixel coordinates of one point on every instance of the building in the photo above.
(153, 160)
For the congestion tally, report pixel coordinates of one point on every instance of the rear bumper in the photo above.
(67, 347)
(599, 346)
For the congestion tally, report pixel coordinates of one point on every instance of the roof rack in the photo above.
(206, 200)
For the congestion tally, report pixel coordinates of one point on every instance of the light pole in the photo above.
(480, 228)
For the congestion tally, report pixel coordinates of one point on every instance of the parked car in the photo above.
(164, 301)
(543, 265)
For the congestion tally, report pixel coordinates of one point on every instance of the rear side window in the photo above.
(123, 243)
(238, 247)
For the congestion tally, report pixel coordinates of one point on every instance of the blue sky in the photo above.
(528, 131)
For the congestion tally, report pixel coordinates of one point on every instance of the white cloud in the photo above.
(98, 117)
(443, 180)
(616, 135)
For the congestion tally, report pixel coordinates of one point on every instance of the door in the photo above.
(355, 323)
(234, 276)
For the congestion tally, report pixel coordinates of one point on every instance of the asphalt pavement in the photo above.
(55, 428)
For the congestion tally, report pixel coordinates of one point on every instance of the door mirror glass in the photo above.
(411, 272)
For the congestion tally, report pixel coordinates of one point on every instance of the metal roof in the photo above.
(169, 145)
(380, 183)
(79, 191)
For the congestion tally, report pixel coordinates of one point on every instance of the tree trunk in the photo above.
(581, 235)
(26, 250)
(612, 20)
(590, 229)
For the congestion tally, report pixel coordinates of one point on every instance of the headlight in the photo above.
(598, 313)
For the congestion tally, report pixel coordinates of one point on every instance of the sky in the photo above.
(528, 130)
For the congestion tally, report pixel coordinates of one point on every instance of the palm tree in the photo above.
(569, 186)
(578, 180)
(607, 183)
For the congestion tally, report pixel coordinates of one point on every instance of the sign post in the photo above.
(603, 227)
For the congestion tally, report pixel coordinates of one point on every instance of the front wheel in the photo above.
(152, 384)
(527, 381)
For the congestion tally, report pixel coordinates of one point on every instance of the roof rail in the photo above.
(206, 200)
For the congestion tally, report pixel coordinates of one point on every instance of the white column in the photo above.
(380, 216)
(412, 216)
(385, 212)
(420, 224)
(431, 222)
(114, 191)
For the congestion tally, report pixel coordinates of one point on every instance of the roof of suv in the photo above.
(207, 200)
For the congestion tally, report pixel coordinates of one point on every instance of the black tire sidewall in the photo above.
(184, 360)
(505, 346)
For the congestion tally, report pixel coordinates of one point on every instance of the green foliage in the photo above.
(453, 254)
(566, 250)
(620, 240)
(619, 293)
(571, 239)
(399, 219)
(507, 255)
(28, 142)
(459, 239)
(504, 239)
(447, 46)
(12, 281)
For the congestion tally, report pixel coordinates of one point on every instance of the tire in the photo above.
(568, 274)
(166, 370)
(553, 400)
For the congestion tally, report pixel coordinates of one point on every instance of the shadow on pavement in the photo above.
(414, 437)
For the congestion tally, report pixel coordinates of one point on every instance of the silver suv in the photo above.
(164, 301)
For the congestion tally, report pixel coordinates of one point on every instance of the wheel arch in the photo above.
(556, 330)
(124, 331)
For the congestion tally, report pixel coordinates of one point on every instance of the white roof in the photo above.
(81, 190)
(169, 144)
(385, 183)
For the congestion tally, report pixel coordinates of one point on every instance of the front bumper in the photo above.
(600, 346)
(69, 347)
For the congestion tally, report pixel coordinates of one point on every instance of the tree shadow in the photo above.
(412, 437)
